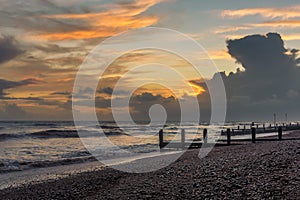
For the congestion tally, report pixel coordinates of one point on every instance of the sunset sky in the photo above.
(43, 43)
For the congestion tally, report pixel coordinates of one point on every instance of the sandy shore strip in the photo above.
(261, 170)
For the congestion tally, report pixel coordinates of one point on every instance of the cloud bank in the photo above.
(9, 49)
(270, 83)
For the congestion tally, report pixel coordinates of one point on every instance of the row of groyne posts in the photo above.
(253, 130)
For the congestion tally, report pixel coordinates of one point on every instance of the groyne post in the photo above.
(228, 136)
(279, 133)
(182, 138)
(205, 136)
(161, 138)
(253, 132)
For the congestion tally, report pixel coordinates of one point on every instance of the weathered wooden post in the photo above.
(182, 138)
(257, 126)
(244, 126)
(279, 133)
(161, 138)
(253, 131)
(228, 136)
(238, 127)
(205, 136)
(264, 127)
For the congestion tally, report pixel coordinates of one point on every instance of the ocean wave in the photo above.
(109, 127)
(45, 124)
(52, 133)
(13, 165)
(9, 136)
(76, 157)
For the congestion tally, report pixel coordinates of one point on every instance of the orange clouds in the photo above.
(279, 18)
(118, 18)
(89, 34)
(270, 24)
(291, 37)
(288, 37)
(219, 54)
(284, 13)
(197, 89)
(282, 23)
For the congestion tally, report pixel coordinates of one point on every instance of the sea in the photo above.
(37, 144)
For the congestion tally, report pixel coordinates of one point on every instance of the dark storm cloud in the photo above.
(141, 104)
(9, 48)
(271, 70)
(270, 83)
(298, 61)
(147, 97)
(5, 84)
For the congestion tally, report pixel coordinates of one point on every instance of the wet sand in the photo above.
(262, 170)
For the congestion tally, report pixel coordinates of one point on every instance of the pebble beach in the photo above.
(264, 170)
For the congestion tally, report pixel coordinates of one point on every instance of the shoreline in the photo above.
(90, 176)
(39, 175)
(30, 165)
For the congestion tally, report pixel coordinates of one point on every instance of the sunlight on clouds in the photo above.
(197, 89)
(283, 23)
(289, 37)
(118, 18)
(284, 13)
(231, 29)
(219, 54)
(75, 35)
(287, 24)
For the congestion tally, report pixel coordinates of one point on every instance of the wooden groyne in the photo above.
(261, 128)
(253, 130)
